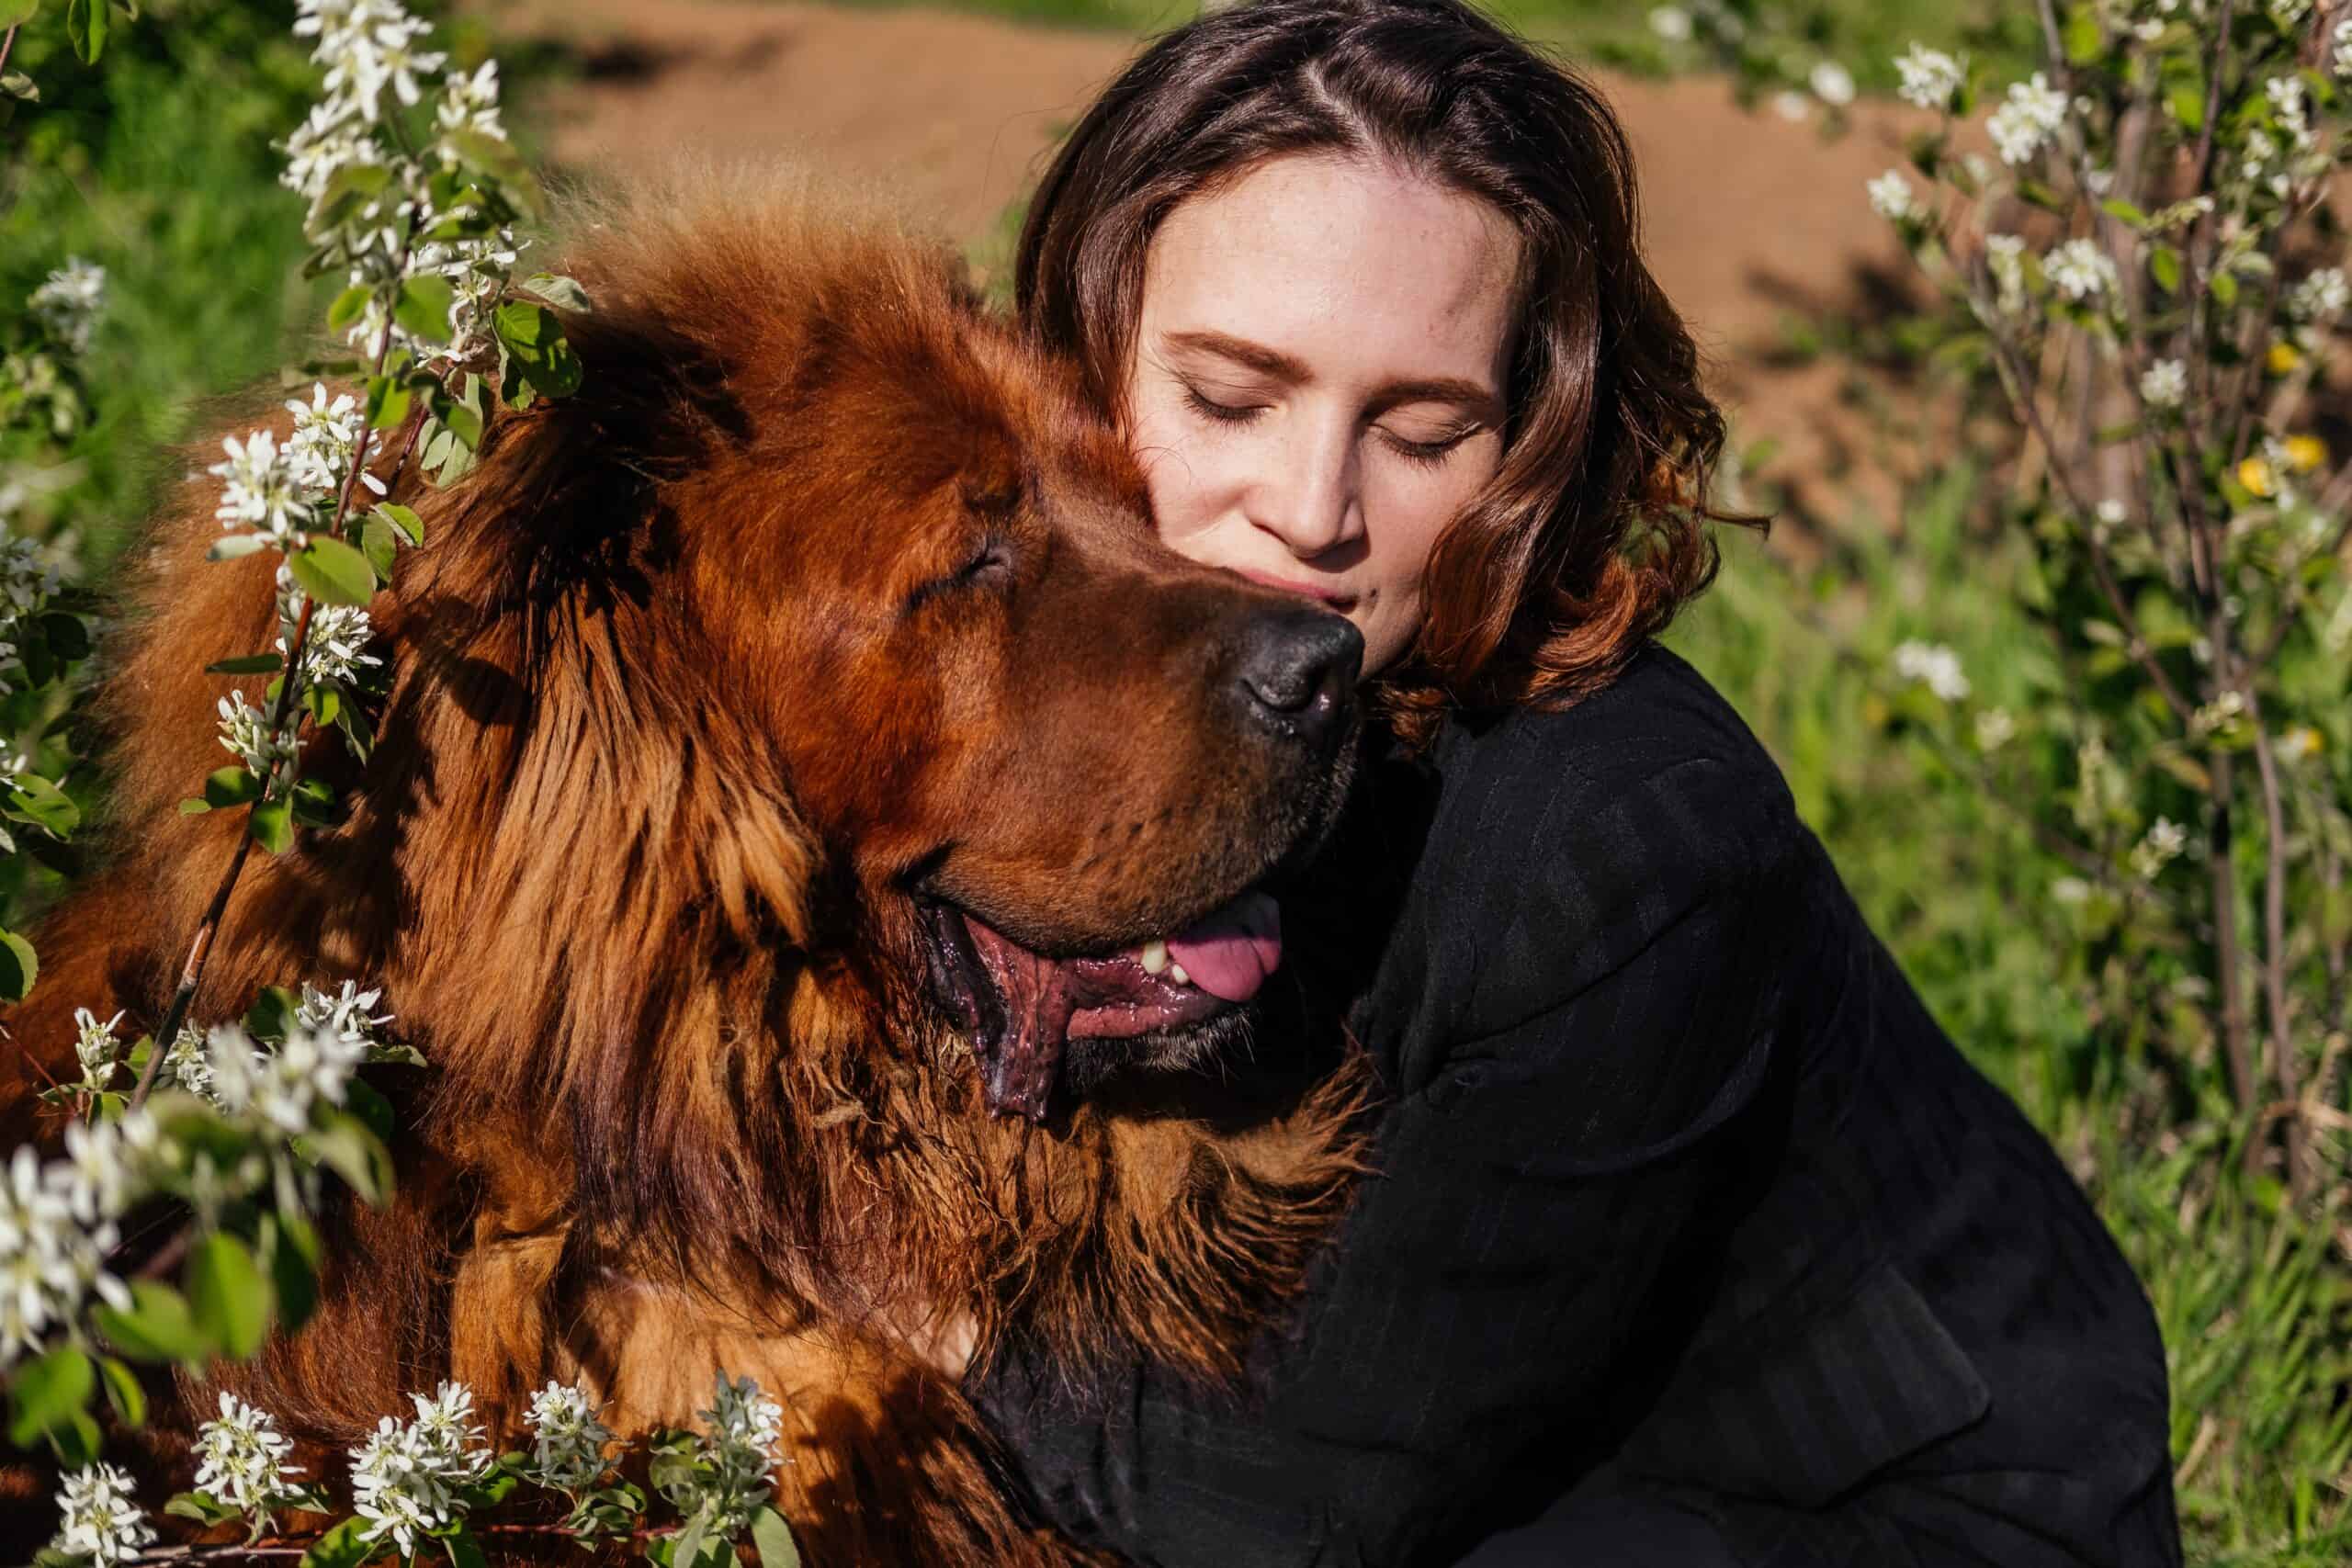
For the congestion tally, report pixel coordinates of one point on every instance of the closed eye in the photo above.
(988, 565)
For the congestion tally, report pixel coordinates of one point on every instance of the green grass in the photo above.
(2254, 1305)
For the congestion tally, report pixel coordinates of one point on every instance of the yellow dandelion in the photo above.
(2283, 356)
(2305, 453)
(2255, 474)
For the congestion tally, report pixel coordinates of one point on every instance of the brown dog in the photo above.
(793, 736)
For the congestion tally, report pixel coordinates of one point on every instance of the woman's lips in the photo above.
(1342, 603)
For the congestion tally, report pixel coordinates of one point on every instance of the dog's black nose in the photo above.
(1298, 671)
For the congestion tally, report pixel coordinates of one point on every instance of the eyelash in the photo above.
(1424, 454)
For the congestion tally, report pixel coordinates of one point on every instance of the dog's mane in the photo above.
(657, 1048)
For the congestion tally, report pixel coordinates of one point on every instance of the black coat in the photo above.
(1676, 1173)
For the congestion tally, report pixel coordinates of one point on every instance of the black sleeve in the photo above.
(1497, 1285)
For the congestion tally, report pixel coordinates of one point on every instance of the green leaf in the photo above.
(348, 307)
(685, 1548)
(464, 423)
(248, 664)
(156, 1328)
(464, 1550)
(37, 801)
(351, 187)
(272, 825)
(17, 13)
(563, 293)
(69, 639)
(293, 1274)
(123, 1391)
(2082, 40)
(343, 1548)
(345, 1146)
(324, 702)
(495, 158)
(228, 1294)
(271, 1016)
(388, 402)
(47, 1393)
(404, 518)
(2225, 290)
(2187, 98)
(423, 308)
(86, 25)
(233, 546)
(19, 968)
(377, 543)
(2164, 265)
(367, 1102)
(774, 1539)
(233, 786)
(201, 1507)
(333, 572)
(521, 324)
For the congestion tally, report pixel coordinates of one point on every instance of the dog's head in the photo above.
(869, 569)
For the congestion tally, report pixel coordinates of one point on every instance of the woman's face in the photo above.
(1318, 381)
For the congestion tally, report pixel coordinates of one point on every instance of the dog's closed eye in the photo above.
(988, 565)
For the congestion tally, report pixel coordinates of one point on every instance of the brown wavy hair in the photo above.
(1594, 531)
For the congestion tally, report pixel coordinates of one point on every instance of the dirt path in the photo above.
(1747, 215)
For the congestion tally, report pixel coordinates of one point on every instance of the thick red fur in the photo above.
(664, 753)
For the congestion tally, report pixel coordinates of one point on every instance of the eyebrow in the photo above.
(1287, 367)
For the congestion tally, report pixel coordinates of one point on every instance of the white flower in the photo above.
(186, 1064)
(2005, 259)
(1832, 83)
(567, 1446)
(332, 139)
(283, 1086)
(99, 1520)
(367, 46)
(331, 652)
(2220, 714)
(1670, 22)
(2288, 101)
(471, 103)
(2299, 742)
(741, 1431)
(67, 303)
(242, 1458)
(1891, 196)
(2321, 294)
(261, 491)
(348, 1015)
(1792, 105)
(2165, 384)
(2029, 118)
(2164, 840)
(1994, 730)
(1933, 666)
(1929, 76)
(406, 1477)
(95, 1047)
(37, 1279)
(97, 1176)
(246, 734)
(2069, 890)
(318, 454)
(2080, 269)
(2340, 58)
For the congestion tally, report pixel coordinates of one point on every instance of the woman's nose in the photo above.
(1311, 500)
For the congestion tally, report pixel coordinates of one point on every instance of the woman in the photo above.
(1692, 1239)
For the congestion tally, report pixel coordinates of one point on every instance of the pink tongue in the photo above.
(1230, 953)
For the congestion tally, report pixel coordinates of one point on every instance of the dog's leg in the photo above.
(883, 1463)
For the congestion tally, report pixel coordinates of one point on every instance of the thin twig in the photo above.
(200, 948)
(2274, 941)
(7, 42)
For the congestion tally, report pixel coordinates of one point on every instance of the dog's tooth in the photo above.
(1176, 973)
(1154, 957)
